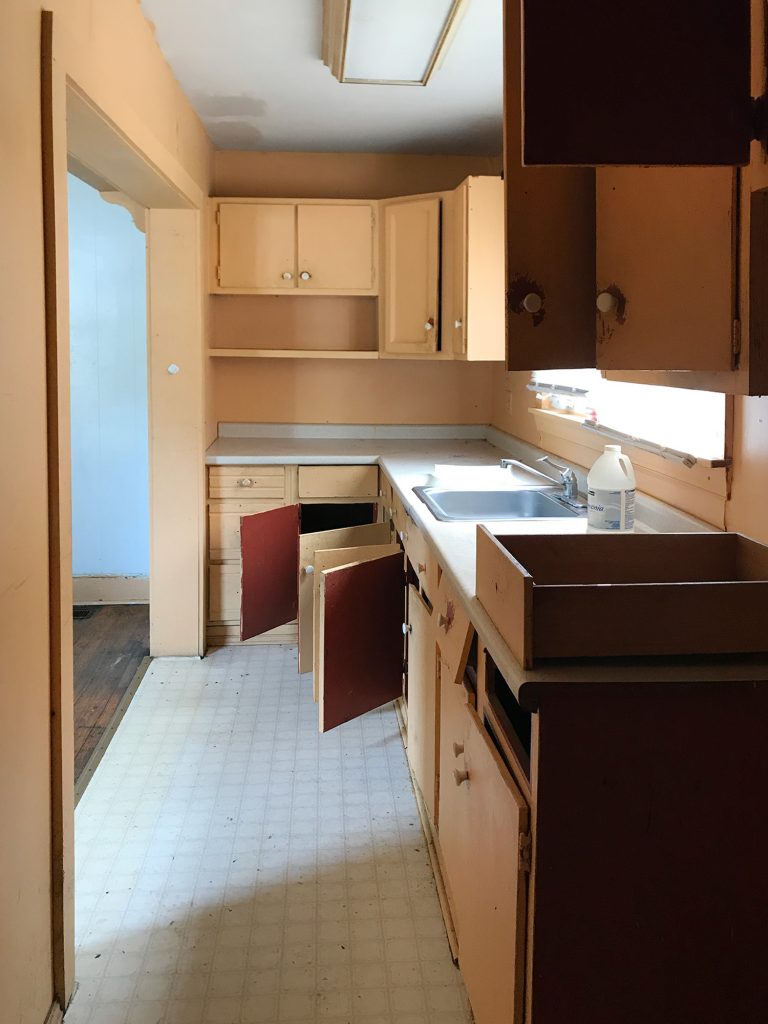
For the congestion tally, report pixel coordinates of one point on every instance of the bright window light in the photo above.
(689, 421)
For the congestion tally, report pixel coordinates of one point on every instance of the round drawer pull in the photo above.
(606, 302)
(309, 570)
(458, 749)
(287, 275)
(245, 481)
(460, 776)
(305, 275)
(407, 628)
(532, 303)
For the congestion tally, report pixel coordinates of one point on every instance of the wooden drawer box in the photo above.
(338, 482)
(247, 482)
(639, 594)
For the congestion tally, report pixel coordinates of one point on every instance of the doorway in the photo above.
(110, 471)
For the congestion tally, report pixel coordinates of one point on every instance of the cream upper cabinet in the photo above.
(310, 247)
(336, 247)
(473, 262)
(410, 314)
(256, 247)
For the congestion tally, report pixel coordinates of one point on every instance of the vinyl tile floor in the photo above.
(236, 867)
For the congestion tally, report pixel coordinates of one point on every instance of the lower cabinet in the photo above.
(483, 825)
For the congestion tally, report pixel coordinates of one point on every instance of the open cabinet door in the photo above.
(309, 544)
(360, 620)
(269, 544)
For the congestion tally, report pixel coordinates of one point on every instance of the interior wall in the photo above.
(316, 391)
(108, 357)
(102, 45)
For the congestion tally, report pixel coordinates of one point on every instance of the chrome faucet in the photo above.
(567, 479)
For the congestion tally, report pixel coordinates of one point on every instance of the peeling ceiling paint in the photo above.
(252, 70)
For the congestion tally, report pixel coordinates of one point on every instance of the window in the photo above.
(682, 422)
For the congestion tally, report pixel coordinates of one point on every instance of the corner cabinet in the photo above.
(319, 247)
(406, 277)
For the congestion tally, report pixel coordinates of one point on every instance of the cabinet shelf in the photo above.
(290, 353)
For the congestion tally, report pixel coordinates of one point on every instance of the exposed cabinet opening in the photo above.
(286, 325)
(512, 719)
(334, 516)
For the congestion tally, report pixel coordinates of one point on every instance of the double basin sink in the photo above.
(532, 499)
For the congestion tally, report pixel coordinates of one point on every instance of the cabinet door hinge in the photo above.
(524, 852)
(218, 215)
(736, 344)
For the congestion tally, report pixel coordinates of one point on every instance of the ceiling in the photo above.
(252, 70)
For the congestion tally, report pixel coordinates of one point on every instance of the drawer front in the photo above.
(338, 481)
(248, 482)
(224, 527)
(420, 556)
(453, 629)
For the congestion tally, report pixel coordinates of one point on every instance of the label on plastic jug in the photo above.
(611, 510)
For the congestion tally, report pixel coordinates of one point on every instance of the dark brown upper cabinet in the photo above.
(550, 243)
(611, 82)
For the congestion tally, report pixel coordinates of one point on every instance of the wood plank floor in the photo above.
(110, 643)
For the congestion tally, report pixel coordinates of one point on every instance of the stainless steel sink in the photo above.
(451, 505)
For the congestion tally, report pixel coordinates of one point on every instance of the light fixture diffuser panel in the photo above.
(396, 41)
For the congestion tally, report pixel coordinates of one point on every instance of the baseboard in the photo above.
(110, 589)
(54, 1016)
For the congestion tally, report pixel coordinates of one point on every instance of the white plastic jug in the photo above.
(611, 492)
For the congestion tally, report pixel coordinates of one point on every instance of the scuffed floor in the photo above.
(235, 867)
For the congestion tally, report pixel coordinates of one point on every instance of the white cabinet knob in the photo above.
(287, 275)
(407, 628)
(532, 303)
(429, 325)
(606, 302)
(308, 570)
(244, 481)
(305, 275)
(458, 324)
(459, 776)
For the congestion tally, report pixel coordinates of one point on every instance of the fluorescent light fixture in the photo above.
(387, 42)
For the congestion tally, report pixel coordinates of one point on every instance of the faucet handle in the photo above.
(556, 465)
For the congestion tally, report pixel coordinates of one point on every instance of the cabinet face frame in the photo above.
(360, 664)
(612, 82)
(423, 706)
(230, 206)
(411, 258)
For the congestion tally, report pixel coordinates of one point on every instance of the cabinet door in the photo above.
(550, 242)
(622, 82)
(361, 639)
(491, 902)
(332, 559)
(410, 319)
(336, 248)
(269, 546)
(422, 700)
(257, 246)
(665, 268)
(309, 544)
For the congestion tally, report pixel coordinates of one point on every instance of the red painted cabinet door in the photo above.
(269, 545)
(620, 82)
(361, 638)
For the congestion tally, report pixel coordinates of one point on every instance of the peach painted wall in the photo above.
(316, 391)
(101, 47)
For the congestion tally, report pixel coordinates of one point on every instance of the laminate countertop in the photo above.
(411, 463)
